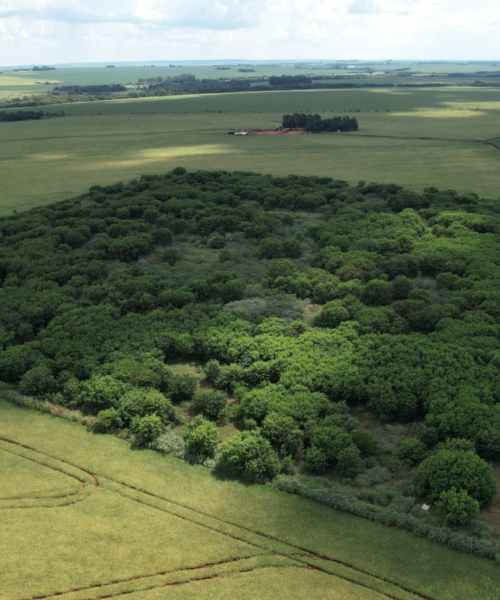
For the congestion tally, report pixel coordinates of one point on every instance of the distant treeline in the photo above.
(28, 115)
(185, 84)
(91, 89)
(289, 79)
(316, 123)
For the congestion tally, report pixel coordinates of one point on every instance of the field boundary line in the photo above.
(301, 555)
(88, 482)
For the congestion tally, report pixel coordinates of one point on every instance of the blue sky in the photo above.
(58, 31)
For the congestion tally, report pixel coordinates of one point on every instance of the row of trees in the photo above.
(28, 115)
(314, 123)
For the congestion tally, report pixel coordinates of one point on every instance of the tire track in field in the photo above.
(301, 554)
(488, 143)
(149, 576)
(77, 496)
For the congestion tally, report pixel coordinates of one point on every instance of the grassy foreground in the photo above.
(143, 524)
(413, 137)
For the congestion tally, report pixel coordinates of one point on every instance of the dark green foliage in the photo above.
(183, 387)
(101, 392)
(407, 285)
(139, 402)
(147, 428)
(108, 420)
(457, 507)
(459, 469)
(315, 122)
(411, 451)
(283, 433)
(202, 437)
(210, 403)
(172, 256)
(38, 381)
(250, 456)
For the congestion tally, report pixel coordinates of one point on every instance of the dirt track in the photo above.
(274, 132)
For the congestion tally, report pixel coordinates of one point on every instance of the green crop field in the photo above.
(96, 520)
(413, 137)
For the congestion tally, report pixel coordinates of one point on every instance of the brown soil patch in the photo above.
(277, 132)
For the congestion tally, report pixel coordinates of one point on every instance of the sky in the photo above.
(64, 31)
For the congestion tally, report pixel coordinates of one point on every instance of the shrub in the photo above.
(411, 452)
(292, 248)
(183, 387)
(210, 403)
(283, 433)
(457, 507)
(202, 438)
(448, 468)
(250, 456)
(341, 500)
(147, 428)
(38, 381)
(139, 402)
(349, 462)
(108, 419)
(101, 392)
(172, 256)
(316, 460)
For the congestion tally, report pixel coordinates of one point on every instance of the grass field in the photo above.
(417, 138)
(154, 527)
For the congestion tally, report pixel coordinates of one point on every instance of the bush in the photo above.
(349, 462)
(183, 387)
(101, 392)
(250, 456)
(172, 256)
(147, 428)
(411, 452)
(202, 438)
(210, 404)
(38, 381)
(107, 419)
(139, 402)
(449, 468)
(457, 507)
(283, 433)
(316, 460)
(292, 248)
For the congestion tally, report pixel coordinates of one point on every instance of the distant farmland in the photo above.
(413, 137)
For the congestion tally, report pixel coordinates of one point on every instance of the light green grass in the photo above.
(49, 160)
(21, 478)
(152, 516)
(292, 583)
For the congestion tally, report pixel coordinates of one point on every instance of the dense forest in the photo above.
(100, 292)
(315, 123)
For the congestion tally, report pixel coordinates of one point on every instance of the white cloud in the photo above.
(83, 30)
